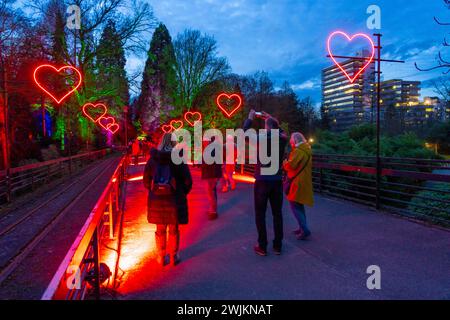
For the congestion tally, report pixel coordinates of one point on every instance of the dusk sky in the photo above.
(287, 37)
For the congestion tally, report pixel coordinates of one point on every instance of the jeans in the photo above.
(161, 239)
(298, 210)
(212, 194)
(269, 191)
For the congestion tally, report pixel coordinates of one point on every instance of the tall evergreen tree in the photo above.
(59, 53)
(59, 43)
(112, 82)
(158, 85)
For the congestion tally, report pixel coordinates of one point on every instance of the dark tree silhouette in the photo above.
(158, 86)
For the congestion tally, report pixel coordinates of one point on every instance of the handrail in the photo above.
(84, 250)
(55, 161)
(383, 158)
(28, 176)
(404, 185)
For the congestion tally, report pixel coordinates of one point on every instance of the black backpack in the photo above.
(163, 183)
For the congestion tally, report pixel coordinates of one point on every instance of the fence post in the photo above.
(320, 180)
(8, 185)
(96, 265)
(32, 182)
(70, 165)
(117, 193)
(378, 183)
(110, 215)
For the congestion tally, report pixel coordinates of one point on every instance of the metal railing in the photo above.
(29, 177)
(80, 271)
(418, 188)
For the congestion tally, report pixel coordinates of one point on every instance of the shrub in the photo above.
(428, 199)
(50, 153)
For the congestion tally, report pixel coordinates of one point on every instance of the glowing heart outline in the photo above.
(115, 125)
(229, 97)
(176, 121)
(167, 128)
(189, 113)
(105, 126)
(369, 61)
(95, 106)
(35, 76)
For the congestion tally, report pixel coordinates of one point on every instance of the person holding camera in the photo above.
(268, 188)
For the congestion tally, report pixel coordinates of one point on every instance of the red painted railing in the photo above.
(80, 270)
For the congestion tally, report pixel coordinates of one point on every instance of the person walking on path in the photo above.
(299, 188)
(135, 151)
(211, 174)
(268, 188)
(168, 186)
(229, 164)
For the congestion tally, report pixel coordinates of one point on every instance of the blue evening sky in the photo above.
(287, 37)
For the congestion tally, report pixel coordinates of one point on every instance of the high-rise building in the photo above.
(397, 98)
(347, 104)
(398, 92)
(426, 113)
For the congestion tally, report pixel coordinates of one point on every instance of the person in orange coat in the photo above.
(298, 167)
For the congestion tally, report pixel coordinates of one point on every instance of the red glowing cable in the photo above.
(41, 67)
(88, 107)
(369, 61)
(192, 117)
(229, 97)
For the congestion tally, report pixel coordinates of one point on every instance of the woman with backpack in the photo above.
(168, 186)
(298, 184)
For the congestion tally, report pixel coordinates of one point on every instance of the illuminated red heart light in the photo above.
(348, 38)
(105, 122)
(94, 112)
(229, 103)
(192, 117)
(167, 128)
(113, 128)
(176, 124)
(41, 77)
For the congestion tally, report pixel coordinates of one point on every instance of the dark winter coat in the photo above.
(211, 171)
(183, 184)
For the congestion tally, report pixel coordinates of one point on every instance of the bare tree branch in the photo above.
(197, 63)
(441, 23)
(442, 63)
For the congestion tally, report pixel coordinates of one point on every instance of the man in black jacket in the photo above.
(268, 188)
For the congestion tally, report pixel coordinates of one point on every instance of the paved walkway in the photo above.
(219, 263)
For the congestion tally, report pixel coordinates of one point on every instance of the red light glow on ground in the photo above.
(136, 178)
(138, 268)
(243, 178)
